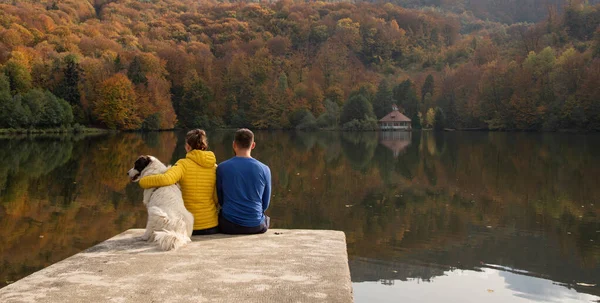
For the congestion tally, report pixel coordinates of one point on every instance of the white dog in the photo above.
(169, 222)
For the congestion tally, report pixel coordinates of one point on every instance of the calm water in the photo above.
(453, 217)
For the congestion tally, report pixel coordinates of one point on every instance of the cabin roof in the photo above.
(395, 116)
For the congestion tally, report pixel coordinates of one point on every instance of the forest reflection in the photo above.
(412, 205)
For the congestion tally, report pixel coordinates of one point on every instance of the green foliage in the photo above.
(415, 121)
(405, 94)
(331, 116)
(356, 108)
(382, 104)
(34, 109)
(581, 21)
(135, 72)
(18, 77)
(194, 104)
(12, 113)
(68, 89)
(35, 101)
(239, 119)
(440, 119)
(152, 122)
(4, 83)
(297, 116)
(428, 87)
(52, 114)
(308, 123)
(67, 112)
(368, 124)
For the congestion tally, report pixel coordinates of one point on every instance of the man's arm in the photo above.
(266, 198)
(220, 185)
(170, 177)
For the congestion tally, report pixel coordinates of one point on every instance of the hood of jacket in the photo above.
(202, 158)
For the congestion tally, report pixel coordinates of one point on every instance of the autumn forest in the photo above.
(163, 64)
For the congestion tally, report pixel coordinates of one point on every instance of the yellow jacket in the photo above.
(197, 175)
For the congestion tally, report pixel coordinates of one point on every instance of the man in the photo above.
(243, 189)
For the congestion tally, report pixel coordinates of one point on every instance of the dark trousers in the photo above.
(227, 227)
(208, 231)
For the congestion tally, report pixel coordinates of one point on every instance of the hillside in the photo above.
(503, 11)
(164, 63)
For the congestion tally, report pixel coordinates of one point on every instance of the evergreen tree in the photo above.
(427, 87)
(382, 104)
(440, 119)
(415, 121)
(135, 73)
(194, 103)
(68, 89)
(405, 94)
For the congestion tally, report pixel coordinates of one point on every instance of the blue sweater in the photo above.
(244, 190)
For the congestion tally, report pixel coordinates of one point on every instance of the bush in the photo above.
(368, 124)
(297, 116)
(308, 123)
(151, 122)
(78, 128)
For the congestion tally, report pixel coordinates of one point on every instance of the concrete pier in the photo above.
(279, 266)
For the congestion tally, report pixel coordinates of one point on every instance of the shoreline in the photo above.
(95, 130)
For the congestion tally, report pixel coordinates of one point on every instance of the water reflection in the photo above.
(485, 285)
(422, 207)
(395, 141)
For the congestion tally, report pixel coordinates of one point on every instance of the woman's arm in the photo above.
(170, 177)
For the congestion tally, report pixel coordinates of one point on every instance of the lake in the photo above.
(428, 217)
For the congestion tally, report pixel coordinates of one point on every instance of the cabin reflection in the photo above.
(396, 141)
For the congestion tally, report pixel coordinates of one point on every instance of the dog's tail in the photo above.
(174, 235)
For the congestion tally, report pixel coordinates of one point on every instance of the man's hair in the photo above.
(243, 138)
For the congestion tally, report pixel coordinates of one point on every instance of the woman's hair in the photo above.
(196, 139)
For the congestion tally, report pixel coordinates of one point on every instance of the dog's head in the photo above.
(139, 166)
(145, 166)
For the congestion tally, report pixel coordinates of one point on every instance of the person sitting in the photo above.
(243, 189)
(196, 175)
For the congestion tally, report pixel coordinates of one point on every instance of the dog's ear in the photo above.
(142, 162)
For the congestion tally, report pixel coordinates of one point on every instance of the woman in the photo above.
(196, 175)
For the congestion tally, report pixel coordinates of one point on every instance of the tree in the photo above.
(12, 113)
(308, 122)
(440, 119)
(331, 116)
(116, 106)
(68, 89)
(194, 104)
(382, 103)
(35, 101)
(136, 73)
(405, 94)
(430, 118)
(356, 108)
(427, 87)
(53, 112)
(18, 75)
